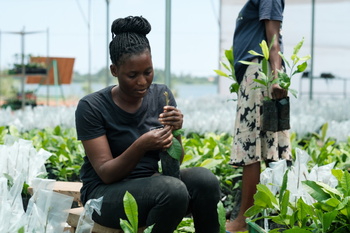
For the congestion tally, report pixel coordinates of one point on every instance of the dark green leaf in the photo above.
(175, 150)
(315, 190)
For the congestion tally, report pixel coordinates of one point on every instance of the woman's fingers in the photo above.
(171, 116)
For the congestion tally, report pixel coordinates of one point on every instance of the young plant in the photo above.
(234, 87)
(267, 79)
(284, 80)
(131, 211)
(175, 150)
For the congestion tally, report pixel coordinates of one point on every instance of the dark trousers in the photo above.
(164, 201)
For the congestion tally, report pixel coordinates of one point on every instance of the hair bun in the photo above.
(131, 24)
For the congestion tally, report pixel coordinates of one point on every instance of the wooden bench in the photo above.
(73, 189)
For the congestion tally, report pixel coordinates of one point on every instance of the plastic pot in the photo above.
(170, 166)
(276, 115)
(270, 116)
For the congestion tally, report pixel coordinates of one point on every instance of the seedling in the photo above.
(234, 87)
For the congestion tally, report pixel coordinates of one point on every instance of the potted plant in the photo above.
(170, 158)
(276, 112)
(29, 67)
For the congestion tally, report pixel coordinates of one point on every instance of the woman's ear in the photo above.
(114, 70)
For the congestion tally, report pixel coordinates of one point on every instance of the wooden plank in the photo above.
(73, 219)
(69, 188)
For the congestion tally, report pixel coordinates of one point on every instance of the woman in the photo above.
(122, 150)
(258, 20)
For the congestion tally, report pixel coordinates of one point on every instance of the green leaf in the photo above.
(293, 92)
(304, 211)
(229, 55)
(327, 219)
(284, 59)
(131, 210)
(253, 210)
(265, 67)
(234, 88)
(21, 230)
(228, 68)
(148, 229)
(126, 227)
(298, 46)
(337, 173)
(265, 197)
(260, 81)
(302, 67)
(284, 185)
(285, 202)
(345, 183)
(265, 50)
(221, 73)
(315, 190)
(210, 163)
(222, 216)
(178, 132)
(248, 63)
(252, 52)
(175, 150)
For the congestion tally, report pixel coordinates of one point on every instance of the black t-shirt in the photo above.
(250, 30)
(98, 115)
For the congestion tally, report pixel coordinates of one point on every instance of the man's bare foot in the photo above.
(236, 226)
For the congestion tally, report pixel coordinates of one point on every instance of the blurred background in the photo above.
(69, 39)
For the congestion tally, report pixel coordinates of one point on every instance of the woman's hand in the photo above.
(172, 117)
(278, 92)
(157, 139)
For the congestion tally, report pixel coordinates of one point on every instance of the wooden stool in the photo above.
(73, 189)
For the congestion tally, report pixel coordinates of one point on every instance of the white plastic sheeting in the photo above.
(206, 114)
(47, 210)
(272, 178)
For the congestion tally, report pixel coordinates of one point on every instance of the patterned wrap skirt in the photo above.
(250, 144)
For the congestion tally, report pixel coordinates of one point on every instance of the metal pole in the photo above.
(0, 71)
(312, 48)
(220, 30)
(89, 46)
(23, 68)
(47, 68)
(167, 43)
(107, 43)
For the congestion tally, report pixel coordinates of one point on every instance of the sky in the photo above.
(194, 40)
(195, 32)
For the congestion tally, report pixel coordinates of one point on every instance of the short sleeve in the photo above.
(88, 121)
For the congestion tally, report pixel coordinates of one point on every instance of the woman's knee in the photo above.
(200, 177)
(174, 190)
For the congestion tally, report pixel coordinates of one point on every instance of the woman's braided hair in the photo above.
(128, 38)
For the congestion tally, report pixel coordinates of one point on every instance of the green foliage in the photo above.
(67, 151)
(325, 150)
(175, 150)
(330, 212)
(213, 152)
(186, 226)
(131, 211)
(266, 76)
(284, 79)
(234, 87)
(222, 217)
